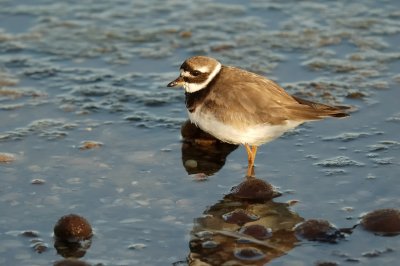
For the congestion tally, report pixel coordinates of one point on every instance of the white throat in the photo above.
(193, 87)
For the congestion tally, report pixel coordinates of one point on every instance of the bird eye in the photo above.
(196, 73)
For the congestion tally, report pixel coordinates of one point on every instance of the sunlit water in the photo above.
(97, 70)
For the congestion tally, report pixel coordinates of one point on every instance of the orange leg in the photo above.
(251, 156)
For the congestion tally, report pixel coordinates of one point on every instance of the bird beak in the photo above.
(177, 82)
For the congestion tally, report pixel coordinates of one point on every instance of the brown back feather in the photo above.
(323, 110)
(253, 99)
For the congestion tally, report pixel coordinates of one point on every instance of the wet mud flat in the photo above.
(88, 127)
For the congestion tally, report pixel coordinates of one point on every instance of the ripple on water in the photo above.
(50, 129)
(339, 161)
(383, 161)
(384, 145)
(348, 136)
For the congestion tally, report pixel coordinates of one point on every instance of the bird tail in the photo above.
(323, 110)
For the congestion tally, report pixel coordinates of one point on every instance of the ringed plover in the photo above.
(240, 107)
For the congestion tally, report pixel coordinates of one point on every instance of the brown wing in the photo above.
(319, 110)
(252, 99)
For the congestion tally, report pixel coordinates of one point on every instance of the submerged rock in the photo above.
(6, 157)
(90, 144)
(318, 230)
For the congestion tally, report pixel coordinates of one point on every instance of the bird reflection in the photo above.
(201, 152)
(245, 227)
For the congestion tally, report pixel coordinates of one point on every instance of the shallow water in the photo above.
(97, 70)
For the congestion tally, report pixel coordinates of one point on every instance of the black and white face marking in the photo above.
(197, 79)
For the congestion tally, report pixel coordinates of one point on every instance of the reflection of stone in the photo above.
(72, 249)
(71, 262)
(38, 245)
(201, 152)
(243, 231)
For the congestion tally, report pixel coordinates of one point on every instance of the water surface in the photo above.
(97, 70)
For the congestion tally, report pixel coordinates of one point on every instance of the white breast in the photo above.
(253, 135)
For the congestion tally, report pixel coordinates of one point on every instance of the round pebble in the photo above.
(318, 230)
(382, 221)
(254, 189)
(30, 233)
(73, 228)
